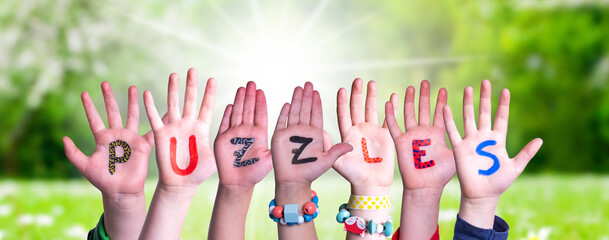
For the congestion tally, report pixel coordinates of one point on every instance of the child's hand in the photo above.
(298, 149)
(183, 151)
(119, 165)
(299, 157)
(241, 147)
(484, 168)
(183, 155)
(369, 168)
(124, 178)
(432, 165)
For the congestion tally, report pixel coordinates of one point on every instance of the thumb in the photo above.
(327, 141)
(74, 154)
(338, 150)
(526, 154)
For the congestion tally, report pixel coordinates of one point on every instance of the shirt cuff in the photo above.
(466, 231)
(436, 235)
(99, 232)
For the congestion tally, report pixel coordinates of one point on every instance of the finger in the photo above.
(153, 116)
(190, 97)
(133, 110)
(249, 105)
(294, 118)
(469, 119)
(283, 117)
(336, 151)
(409, 117)
(357, 116)
(438, 116)
(342, 110)
(74, 154)
(114, 114)
(327, 141)
(237, 116)
(371, 112)
(173, 98)
(317, 118)
(451, 128)
(484, 118)
(149, 136)
(261, 114)
(394, 102)
(207, 106)
(424, 105)
(95, 122)
(225, 123)
(390, 120)
(307, 103)
(503, 113)
(526, 154)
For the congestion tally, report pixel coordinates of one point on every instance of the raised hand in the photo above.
(183, 151)
(369, 166)
(484, 168)
(299, 157)
(243, 159)
(298, 147)
(183, 154)
(119, 165)
(424, 159)
(241, 147)
(426, 163)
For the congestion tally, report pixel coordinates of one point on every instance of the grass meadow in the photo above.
(536, 207)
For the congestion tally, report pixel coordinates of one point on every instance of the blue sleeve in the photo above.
(466, 231)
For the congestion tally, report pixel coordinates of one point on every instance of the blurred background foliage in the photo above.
(553, 56)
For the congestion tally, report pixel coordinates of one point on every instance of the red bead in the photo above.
(313, 194)
(277, 212)
(309, 208)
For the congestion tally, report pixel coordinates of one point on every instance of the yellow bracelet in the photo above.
(369, 202)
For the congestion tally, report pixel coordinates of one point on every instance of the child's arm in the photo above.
(484, 168)
(426, 163)
(299, 159)
(183, 153)
(119, 165)
(369, 167)
(243, 159)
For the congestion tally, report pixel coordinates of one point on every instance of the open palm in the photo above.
(127, 176)
(372, 160)
(424, 159)
(183, 151)
(244, 127)
(483, 166)
(304, 128)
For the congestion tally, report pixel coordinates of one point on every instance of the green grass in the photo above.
(573, 207)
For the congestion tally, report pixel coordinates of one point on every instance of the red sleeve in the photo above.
(436, 235)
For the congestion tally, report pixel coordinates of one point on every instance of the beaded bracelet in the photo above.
(358, 225)
(290, 215)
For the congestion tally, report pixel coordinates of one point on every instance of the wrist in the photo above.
(370, 190)
(479, 212)
(175, 192)
(234, 190)
(292, 193)
(123, 201)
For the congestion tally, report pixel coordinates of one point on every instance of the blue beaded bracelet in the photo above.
(358, 225)
(289, 214)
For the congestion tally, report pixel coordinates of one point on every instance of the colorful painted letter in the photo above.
(417, 153)
(247, 142)
(114, 159)
(366, 156)
(297, 151)
(480, 152)
(194, 156)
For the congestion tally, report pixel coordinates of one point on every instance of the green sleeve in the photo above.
(98, 233)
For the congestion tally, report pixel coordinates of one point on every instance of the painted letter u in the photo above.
(194, 156)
